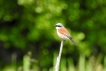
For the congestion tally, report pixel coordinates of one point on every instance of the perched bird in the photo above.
(63, 33)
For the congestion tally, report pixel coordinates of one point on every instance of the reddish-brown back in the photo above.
(64, 31)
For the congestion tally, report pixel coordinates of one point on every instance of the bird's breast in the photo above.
(62, 35)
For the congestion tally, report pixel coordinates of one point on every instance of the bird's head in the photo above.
(59, 25)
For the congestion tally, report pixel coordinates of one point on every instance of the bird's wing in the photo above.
(64, 32)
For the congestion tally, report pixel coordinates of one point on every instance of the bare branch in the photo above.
(59, 57)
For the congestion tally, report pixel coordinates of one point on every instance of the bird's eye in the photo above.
(58, 25)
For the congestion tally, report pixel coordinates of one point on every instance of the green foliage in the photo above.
(92, 64)
(29, 25)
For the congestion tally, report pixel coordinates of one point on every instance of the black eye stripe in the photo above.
(58, 26)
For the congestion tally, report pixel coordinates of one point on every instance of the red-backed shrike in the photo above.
(63, 33)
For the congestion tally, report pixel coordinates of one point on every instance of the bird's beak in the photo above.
(54, 25)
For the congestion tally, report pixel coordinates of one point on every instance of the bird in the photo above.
(63, 32)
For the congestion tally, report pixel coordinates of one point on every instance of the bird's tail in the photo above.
(73, 41)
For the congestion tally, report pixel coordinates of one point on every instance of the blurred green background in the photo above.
(29, 42)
